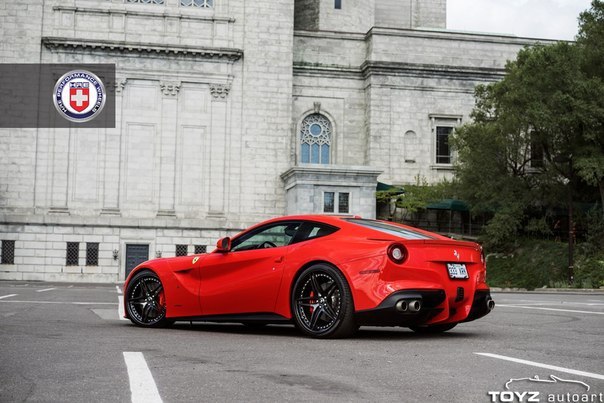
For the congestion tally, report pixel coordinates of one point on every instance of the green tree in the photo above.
(535, 133)
(590, 40)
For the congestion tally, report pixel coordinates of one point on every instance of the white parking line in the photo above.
(549, 309)
(56, 302)
(8, 296)
(120, 307)
(142, 385)
(46, 289)
(546, 366)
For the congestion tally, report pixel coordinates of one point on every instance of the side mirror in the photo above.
(223, 245)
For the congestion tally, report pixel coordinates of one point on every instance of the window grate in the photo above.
(146, 1)
(200, 249)
(197, 3)
(343, 203)
(92, 253)
(181, 250)
(73, 254)
(8, 252)
(328, 202)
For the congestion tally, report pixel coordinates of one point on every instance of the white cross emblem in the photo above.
(79, 98)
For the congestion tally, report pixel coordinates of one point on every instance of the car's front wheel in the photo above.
(322, 303)
(146, 300)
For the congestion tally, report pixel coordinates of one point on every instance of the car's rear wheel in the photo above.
(322, 303)
(433, 328)
(146, 300)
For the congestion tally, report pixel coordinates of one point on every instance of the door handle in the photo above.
(279, 259)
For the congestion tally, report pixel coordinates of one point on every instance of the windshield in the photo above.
(389, 229)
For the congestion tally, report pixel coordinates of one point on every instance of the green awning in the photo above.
(449, 204)
(384, 187)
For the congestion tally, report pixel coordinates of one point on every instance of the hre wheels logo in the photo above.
(79, 96)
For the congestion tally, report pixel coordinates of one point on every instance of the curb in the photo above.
(576, 291)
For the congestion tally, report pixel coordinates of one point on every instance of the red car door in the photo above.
(241, 282)
(246, 279)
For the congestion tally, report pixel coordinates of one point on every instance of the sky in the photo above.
(545, 19)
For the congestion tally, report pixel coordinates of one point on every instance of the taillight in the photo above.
(397, 253)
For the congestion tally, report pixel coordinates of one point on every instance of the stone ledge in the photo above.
(197, 14)
(354, 171)
(230, 54)
(123, 222)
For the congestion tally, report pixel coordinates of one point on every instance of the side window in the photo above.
(312, 230)
(272, 236)
(443, 126)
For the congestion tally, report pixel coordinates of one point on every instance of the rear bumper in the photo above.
(433, 305)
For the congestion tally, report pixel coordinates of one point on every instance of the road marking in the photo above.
(142, 385)
(57, 302)
(546, 366)
(117, 288)
(8, 296)
(549, 309)
(516, 303)
(46, 289)
(120, 307)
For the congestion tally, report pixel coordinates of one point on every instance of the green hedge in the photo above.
(537, 263)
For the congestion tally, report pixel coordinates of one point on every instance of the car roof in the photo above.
(342, 220)
(325, 218)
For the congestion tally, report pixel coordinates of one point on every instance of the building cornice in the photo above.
(426, 33)
(123, 222)
(445, 34)
(230, 54)
(124, 10)
(319, 169)
(371, 67)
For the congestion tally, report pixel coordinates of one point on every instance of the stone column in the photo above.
(218, 135)
(169, 127)
(113, 153)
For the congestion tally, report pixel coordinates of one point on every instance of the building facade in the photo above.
(227, 112)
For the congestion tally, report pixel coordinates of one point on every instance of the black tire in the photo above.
(322, 305)
(145, 300)
(433, 328)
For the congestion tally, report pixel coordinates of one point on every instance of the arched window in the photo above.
(315, 139)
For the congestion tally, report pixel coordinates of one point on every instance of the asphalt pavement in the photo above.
(66, 343)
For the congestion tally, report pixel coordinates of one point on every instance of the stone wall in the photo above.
(202, 132)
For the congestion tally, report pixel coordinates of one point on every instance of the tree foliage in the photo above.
(537, 135)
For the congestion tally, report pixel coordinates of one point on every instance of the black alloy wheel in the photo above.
(322, 303)
(432, 329)
(146, 301)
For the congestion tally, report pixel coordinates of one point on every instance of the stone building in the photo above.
(228, 112)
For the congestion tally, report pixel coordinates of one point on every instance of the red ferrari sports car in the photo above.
(326, 274)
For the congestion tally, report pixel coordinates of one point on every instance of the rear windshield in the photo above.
(389, 228)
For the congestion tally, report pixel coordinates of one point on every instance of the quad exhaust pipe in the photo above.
(490, 304)
(413, 305)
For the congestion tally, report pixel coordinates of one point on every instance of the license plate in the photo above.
(457, 270)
